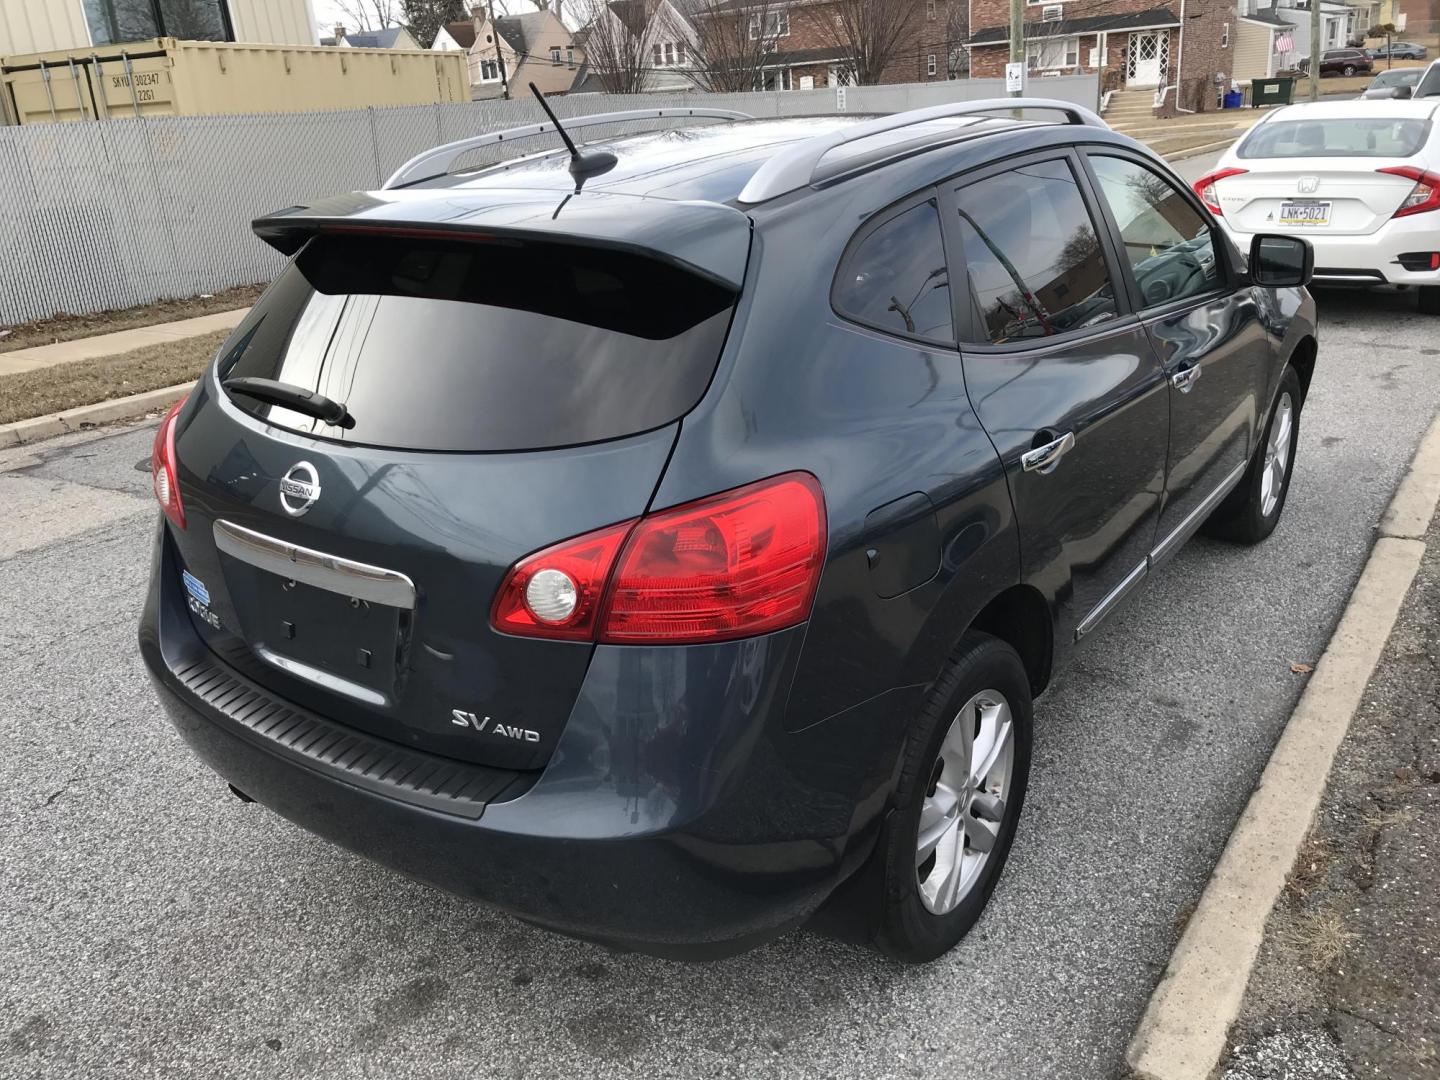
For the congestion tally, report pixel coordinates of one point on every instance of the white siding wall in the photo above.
(1252, 51)
(273, 22)
(28, 26)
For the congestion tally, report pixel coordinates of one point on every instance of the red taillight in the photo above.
(164, 475)
(740, 563)
(733, 565)
(1205, 188)
(534, 599)
(1424, 196)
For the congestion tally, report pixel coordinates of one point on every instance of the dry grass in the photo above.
(70, 327)
(1308, 873)
(84, 382)
(1321, 939)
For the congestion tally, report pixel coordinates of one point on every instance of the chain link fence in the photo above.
(111, 214)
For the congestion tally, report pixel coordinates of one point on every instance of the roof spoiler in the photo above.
(702, 238)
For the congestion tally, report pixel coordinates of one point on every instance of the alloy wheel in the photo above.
(965, 803)
(1277, 456)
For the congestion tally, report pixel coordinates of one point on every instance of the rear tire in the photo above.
(1348, 70)
(1250, 513)
(965, 772)
(1428, 299)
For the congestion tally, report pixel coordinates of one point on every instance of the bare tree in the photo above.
(617, 36)
(957, 33)
(368, 15)
(871, 34)
(733, 41)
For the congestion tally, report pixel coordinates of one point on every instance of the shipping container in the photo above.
(167, 77)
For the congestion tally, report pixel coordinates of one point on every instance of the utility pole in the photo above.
(1315, 50)
(1017, 36)
(499, 56)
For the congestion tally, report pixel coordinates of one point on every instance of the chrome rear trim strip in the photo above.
(331, 572)
(323, 678)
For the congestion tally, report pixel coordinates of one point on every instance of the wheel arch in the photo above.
(1302, 359)
(1020, 617)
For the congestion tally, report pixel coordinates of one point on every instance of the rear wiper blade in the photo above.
(291, 396)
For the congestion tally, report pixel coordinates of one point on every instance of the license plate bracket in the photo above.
(343, 643)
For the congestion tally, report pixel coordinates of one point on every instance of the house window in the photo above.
(669, 54)
(570, 55)
(777, 24)
(1225, 36)
(113, 22)
(489, 71)
(930, 64)
(679, 52)
(659, 56)
(555, 55)
(930, 10)
(776, 80)
(1051, 54)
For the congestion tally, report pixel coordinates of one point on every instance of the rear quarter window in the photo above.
(482, 345)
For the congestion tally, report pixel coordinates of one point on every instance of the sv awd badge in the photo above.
(482, 724)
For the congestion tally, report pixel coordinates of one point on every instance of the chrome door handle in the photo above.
(1043, 459)
(1184, 380)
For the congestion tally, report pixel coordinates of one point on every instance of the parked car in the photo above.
(675, 561)
(1340, 62)
(1357, 179)
(1397, 84)
(1399, 50)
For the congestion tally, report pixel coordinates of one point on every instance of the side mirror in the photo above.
(1400, 93)
(1281, 262)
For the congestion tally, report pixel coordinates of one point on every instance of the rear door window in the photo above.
(894, 278)
(482, 345)
(1033, 259)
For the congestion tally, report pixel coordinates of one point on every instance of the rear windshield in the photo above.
(481, 345)
(1367, 136)
(1399, 77)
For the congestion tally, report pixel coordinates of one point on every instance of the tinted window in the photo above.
(1367, 136)
(895, 278)
(1034, 263)
(1169, 245)
(482, 345)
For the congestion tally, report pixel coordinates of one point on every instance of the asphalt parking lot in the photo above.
(155, 926)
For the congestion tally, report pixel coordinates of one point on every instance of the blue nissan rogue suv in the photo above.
(663, 540)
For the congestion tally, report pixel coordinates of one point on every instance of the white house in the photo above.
(667, 36)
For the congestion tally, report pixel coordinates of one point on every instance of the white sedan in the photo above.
(1359, 180)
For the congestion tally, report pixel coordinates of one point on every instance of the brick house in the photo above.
(1132, 44)
(806, 51)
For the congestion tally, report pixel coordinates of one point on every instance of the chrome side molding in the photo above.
(330, 572)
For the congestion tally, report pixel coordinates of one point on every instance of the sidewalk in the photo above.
(123, 341)
(1347, 984)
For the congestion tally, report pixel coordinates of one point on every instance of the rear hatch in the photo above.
(505, 386)
(1322, 177)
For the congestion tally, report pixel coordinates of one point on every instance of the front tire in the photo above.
(1347, 70)
(961, 789)
(1251, 512)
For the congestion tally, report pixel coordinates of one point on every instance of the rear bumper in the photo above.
(1369, 260)
(676, 816)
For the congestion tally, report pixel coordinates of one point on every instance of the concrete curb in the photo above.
(88, 416)
(1183, 1032)
(1196, 151)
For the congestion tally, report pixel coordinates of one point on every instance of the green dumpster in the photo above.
(1272, 91)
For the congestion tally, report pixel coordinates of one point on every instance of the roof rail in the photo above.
(438, 160)
(794, 167)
